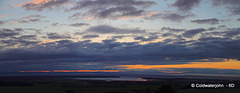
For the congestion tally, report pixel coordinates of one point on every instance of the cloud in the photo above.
(14, 37)
(168, 29)
(90, 36)
(172, 37)
(34, 29)
(74, 54)
(102, 3)
(57, 36)
(112, 9)
(26, 37)
(213, 39)
(75, 16)
(5, 33)
(31, 37)
(238, 19)
(55, 24)
(232, 32)
(17, 37)
(48, 51)
(118, 37)
(193, 32)
(212, 21)
(107, 41)
(231, 5)
(119, 52)
(19, 41)
(40, 5)
(146, 39)
(223, 31)
(79, 24)
(227, 47)
(25, 19)
(58, 24)
(33, 1)
(105, 29)
(170, 16)
(127, 13)
(31, 18)
(169, 34)
(186, 5)
(2, 22)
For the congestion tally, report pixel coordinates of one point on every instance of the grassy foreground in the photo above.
(66, 85)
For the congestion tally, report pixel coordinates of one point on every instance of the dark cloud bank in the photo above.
(204, 47)
(85, 51)
(225, 46)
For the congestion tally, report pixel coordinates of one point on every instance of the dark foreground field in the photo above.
(60, 84)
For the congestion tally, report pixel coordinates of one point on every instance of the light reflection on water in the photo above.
(115, 79)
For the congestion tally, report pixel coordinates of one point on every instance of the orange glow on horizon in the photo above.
(87, 70)
(141, 79)
(230, 64)
(78, 71)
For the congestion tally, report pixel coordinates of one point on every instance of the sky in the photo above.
(152, 37)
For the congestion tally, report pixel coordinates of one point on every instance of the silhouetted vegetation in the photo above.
(63, 85)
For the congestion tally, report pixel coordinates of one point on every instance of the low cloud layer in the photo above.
(212, 21)
(5, 33)
(116, 52)
(105, 29)
(193, 32)
(207, 46)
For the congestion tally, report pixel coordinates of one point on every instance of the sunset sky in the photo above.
(120, 36)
